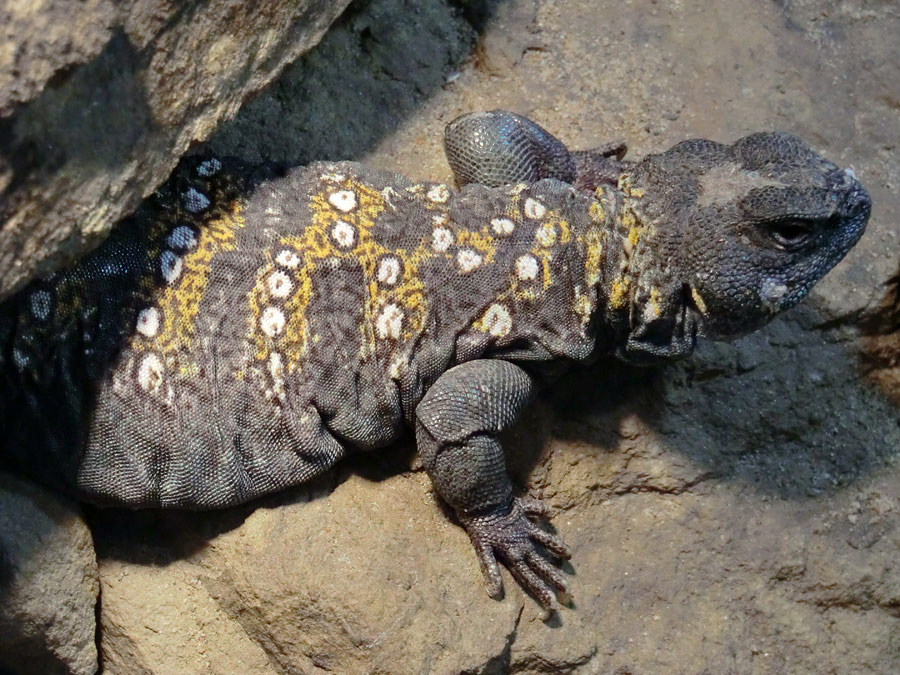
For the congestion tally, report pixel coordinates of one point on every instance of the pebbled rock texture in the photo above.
(48, 582)
(99, 99)
(736, 513)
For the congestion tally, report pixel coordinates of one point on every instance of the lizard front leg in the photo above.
(457, 424)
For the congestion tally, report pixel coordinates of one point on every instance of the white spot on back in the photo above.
(344, 234)
(496, 320)
(20, 359)
(468, 260)
(546, 234)
(388, 194)
(113, 269)
(195, 201)
(170, 266)
(343, 200)
(276, 371)
(389, 270)
(182, 238)
(276, 367)
(288, 258)
(527, 267)
(151, 374)
(389, 322)
(502, 226)
(333, 177)
(272, 321)
(209, 168)
(583, 307)
(147, 322)
(440, 219)
(279, 284)
(441, 238)
(438, 193)
(649, 312)
(41, 303)
(534, 208)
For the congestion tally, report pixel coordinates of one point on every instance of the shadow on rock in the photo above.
(368, 74)
(880, 358)
(785, 410)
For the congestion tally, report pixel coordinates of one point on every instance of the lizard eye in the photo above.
(789, 235)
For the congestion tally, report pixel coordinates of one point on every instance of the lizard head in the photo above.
(731, 235)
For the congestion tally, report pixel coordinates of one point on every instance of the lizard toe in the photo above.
(514, 539)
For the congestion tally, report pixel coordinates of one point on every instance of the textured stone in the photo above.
(48, 583)
(99, 100)
(257, 607)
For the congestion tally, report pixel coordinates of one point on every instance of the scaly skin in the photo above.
(251, 323)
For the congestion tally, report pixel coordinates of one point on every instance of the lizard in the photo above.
(252, 323)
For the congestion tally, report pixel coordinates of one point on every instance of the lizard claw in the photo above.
(513, 538)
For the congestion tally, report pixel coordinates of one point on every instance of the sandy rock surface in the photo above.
(736, 513)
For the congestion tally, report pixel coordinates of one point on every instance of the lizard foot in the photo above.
(513, 537)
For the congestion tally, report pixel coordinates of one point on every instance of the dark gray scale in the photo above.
(175, 446)
(63, 353)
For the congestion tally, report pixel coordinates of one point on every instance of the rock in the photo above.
(48, 583)
(350, 581)
(99, 100)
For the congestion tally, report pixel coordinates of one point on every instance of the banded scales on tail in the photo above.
(251, 323)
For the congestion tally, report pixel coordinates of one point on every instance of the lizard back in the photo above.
(249, 323)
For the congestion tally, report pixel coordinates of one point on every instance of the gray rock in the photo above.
(48, 582)
(99, 100)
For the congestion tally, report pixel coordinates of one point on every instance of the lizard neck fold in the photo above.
(613, 247)
(643, 300)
